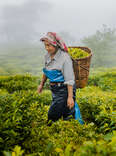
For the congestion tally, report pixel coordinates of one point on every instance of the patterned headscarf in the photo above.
(55, 40)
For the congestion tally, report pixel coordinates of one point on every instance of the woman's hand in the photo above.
(40, 87)
(70, 102)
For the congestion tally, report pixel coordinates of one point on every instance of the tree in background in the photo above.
(103, 45)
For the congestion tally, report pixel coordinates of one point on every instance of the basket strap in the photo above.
(78, 63)
(79, 73)
(84, 68)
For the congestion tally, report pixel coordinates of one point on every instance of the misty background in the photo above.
(90, 23)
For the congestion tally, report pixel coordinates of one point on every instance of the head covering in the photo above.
(55, 40)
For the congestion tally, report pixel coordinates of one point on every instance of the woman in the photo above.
(59, 69)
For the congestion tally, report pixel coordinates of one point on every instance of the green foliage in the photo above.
(77, 53)
(20, 82)
(106, 81)
(99, 107)
(23, 119)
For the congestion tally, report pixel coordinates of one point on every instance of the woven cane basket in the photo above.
(81, 68)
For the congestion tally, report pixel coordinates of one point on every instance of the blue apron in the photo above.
(56, 75)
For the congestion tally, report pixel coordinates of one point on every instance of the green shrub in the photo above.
(23, 119)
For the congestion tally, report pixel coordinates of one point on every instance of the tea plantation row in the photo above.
(23, 119)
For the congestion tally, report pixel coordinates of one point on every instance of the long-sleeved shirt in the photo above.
(61, 61)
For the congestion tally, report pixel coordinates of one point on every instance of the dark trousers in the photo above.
(59, 106)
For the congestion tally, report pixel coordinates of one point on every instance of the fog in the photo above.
(27, 20)
(21, 22)
(90, 23)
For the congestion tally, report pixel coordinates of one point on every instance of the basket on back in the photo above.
(81, 68)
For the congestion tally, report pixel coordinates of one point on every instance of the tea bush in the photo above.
(23, 119)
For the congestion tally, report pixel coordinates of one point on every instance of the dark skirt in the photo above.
(59, 106)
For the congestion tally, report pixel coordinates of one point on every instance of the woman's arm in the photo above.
(70, 91)
(44, 78)
(70, 101)
(40, 87)
(69, 77)
(68, 71)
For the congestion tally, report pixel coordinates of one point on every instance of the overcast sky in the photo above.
(26, 19)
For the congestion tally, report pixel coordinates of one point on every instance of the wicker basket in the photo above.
(81, 68)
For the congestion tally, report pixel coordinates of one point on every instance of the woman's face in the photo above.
(50, 48)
